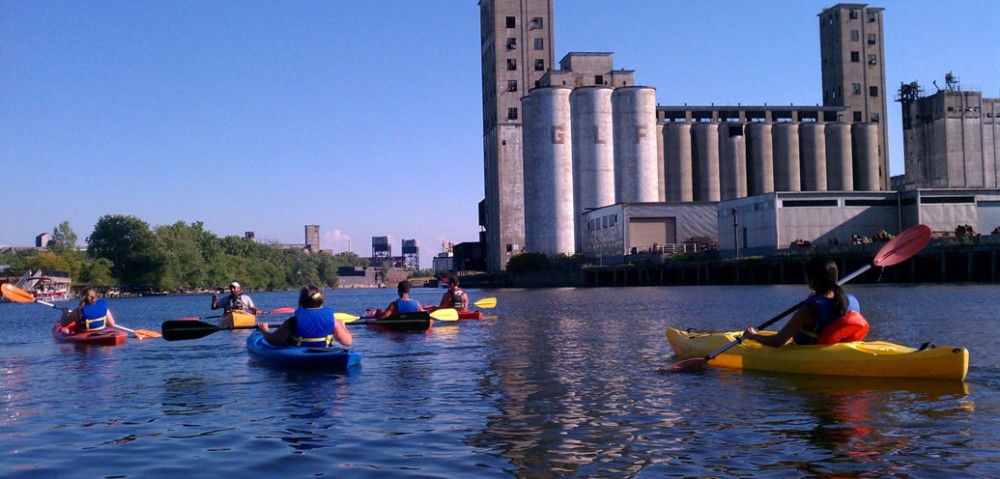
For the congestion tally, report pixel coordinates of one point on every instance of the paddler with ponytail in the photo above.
(92, 314)
(312, 326)
(829, 315)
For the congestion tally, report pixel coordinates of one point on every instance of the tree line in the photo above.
(124, 251)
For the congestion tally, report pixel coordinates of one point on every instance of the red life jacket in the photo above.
(846, 329)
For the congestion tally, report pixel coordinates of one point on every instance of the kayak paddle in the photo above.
(446, 314)
(182, 329)
(897, 250)
(486, 303)
(19, 295)
(285, 310)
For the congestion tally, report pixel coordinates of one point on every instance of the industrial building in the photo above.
(588, 133)
(950, 139)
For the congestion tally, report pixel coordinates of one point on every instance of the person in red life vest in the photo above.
(92, 314)
(829, 315)
(235, 301)
(455, 297)
(402, 305)
(312, 325)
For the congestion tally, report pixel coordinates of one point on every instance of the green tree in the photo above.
(130, 246)
(97, 272)
(63, 239)
(184, 263)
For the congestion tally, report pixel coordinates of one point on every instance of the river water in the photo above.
(556, 383)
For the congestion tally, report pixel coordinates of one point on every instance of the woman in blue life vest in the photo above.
(402, 305)
(312, 325)
(92, 314)
(828, 307)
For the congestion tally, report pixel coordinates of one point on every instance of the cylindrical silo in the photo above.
(839, 171)
(634, 111)
(677, 161)
(787, 176)
(761, 159)
(705, 145)
(548, 172)
(593, 154)
(812, 153)
(864, 137)
(732, 163)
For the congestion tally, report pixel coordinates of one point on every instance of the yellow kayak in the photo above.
(237, 318)
(875, 359)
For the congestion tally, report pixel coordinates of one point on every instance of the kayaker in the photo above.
(455, 297)
(827, 304)
(402, 305)
(92, 314)
(235, 300)
(312, 325)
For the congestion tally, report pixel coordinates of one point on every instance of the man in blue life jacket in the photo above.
(402, 305)
(235, 300)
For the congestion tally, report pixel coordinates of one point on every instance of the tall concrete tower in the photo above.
(853, 52)
(517, 49)
(312, 238)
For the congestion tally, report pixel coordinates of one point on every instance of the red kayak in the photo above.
(101, 337)
(467, 314)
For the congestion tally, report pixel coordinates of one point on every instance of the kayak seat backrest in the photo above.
(849, 328)
(418, 315)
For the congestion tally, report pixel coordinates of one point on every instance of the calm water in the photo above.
(560, 383)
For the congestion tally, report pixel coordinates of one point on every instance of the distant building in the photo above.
(852, 48)
(312, 238)
(42, 240)
(951, 139)
(250, 235)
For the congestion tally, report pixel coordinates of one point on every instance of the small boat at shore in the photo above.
(871, 359)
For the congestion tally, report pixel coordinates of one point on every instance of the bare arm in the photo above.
(279, 336)
(388, 311)
(445, 300)
(341, 333)
(801, 318)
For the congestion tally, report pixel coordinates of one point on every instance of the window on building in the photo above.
(539, 44)
(511, 85)
(598, 79)
(874, 118)
(854, 13)
(511, 43)
(871, 16)
(512, 113)
(873, 91)
(857, 117)
(855, 57)
(872, 38)
(511, 22)
(855, 35)
(872, 59)
(539, 65)
(856, 88)
(536, 22)
(511, 64)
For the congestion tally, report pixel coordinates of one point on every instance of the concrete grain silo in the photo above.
(812, 154)
(549, 224)
(839, 169)
(634, 112)
(761, 158)
(593, 153)
(865, 141)
(787, 175)
(732, 161)
(705, 146)
(678, 162)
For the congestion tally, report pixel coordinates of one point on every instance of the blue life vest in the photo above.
(825, 315)
(93, 316)
(407, 306)
(313, 327)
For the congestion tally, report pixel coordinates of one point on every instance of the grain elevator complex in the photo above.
(581, 159)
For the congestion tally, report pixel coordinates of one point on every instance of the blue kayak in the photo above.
(298, 357)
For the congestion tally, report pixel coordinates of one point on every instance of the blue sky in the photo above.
(365, 117)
